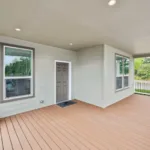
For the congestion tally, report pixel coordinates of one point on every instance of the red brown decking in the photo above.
(122, 126)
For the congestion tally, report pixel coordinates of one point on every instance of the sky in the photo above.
(10, 59)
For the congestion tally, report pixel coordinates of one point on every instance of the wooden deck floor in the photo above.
(122, 126)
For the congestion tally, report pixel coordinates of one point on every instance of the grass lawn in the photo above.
(142, 91)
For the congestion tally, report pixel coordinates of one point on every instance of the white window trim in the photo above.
(17, 77)
(123, 75)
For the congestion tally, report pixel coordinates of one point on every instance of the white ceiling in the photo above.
(82, 22)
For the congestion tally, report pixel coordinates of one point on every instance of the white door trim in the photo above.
(70, 79)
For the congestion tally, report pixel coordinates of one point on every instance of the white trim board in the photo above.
(70, 79)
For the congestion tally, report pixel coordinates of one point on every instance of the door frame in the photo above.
(69, 79)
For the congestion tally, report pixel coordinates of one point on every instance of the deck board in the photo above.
(1, 143)
(84, 136)
(35, 134)
(34, 144)
(21, 135)
(61, 132)
(5, 137)
(105, 131)
(122, 126)
(14, 139)
(41, 131)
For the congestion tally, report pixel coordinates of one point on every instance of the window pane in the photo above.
(126, 71)
(17, 62)
(126, 66)
(119, 65)
(119, 71)
(126, 81)
(17, 87)
(118, 82)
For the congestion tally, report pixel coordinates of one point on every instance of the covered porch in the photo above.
(124, 125)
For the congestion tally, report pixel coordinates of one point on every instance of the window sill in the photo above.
(17, 99)
(125, 88)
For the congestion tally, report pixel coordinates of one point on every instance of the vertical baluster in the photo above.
(140, 87)
(148, 87)
(145, 86)
(134, 85)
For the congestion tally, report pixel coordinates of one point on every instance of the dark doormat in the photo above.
(65, 104)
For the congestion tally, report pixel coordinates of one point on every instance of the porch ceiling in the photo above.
(83, 23)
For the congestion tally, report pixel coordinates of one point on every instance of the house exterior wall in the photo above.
(89, 75)
(44, 76)
(110, 94)
(93, 76)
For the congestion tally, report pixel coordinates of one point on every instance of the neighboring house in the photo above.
(92, 78)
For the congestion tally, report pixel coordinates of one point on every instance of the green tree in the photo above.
(146, 60)
(142, 68)
(144, 71)
(19, 67)
(137, 64)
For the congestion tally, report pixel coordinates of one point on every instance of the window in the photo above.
(126, 71)
(122, 72)
(18, 72)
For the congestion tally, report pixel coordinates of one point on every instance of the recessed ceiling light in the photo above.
(17, 29)
(70, 44)
(112, 2)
